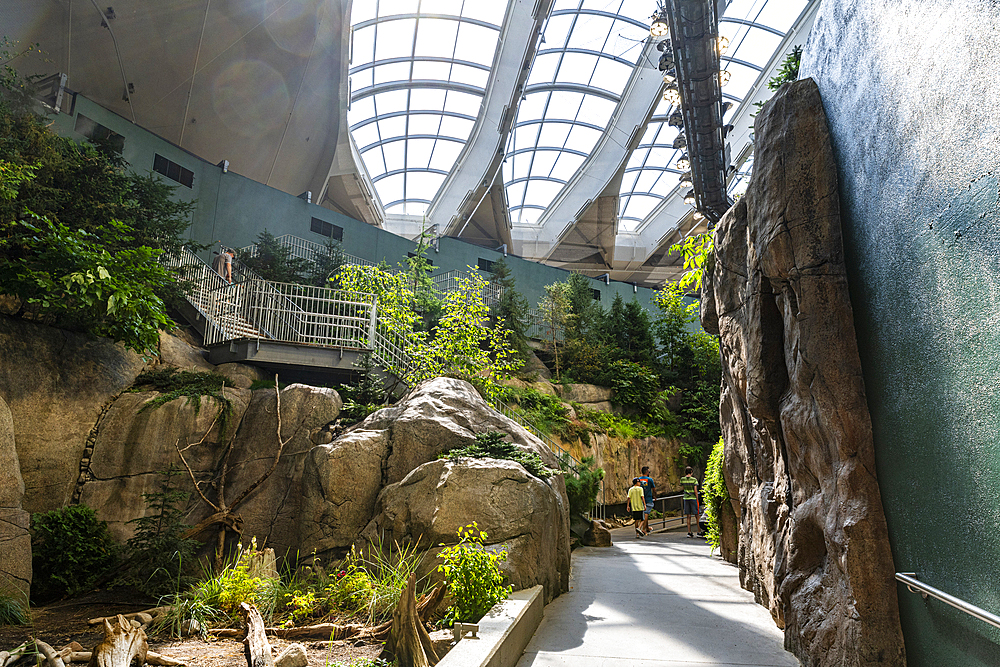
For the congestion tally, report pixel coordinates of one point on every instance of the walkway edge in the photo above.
(503, 633)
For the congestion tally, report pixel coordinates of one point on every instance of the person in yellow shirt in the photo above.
(637, 505)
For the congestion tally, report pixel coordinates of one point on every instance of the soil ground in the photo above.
(63, 622)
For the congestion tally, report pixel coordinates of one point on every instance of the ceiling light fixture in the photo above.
(699, 216)
(724, 77)
(669, 76)
(680, 143)
(686, 181)
(683, 164)
(723, 44)
(689, 198)
(660, 27)
(676, 119)
(671, 95)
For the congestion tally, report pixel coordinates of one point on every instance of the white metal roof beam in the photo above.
(482, 156)
(606, 160)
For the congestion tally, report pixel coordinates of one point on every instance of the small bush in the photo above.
(71, 550)
(473, 576)
(583, 488)
(492, 445)
(172, 384)
(544, 411)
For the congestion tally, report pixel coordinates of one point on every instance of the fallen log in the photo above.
(123, 643)
(52, 657)
(256, 648)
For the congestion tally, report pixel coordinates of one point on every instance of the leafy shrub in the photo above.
(492, 445)
(635, 385)
(615, 426)
(544, 411)
(238, 582)
(582, 489)
(473, 576)
(716, 493)
(71, 550)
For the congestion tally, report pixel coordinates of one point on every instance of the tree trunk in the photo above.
(408, 640)
(122, 645)
(256, 648)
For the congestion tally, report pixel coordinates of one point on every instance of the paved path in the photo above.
(659, 601)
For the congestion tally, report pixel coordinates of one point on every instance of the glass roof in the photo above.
(755, 29)
(419, 72)
(588, 51)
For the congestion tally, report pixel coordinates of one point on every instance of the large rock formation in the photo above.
(56, 384)
(799, 460)
(15, 543)
(526, 515)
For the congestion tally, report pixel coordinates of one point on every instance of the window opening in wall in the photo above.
(324, 228)
(597, 295)
(413, 254)
(99, 134)
(172, 170)
(485, 265)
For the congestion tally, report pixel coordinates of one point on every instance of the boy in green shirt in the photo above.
(690, 485)
(637, 505)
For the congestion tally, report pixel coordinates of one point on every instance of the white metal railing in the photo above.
(309, 250)
(255, 308)
(451, 281)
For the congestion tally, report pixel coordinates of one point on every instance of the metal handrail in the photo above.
(916, 586)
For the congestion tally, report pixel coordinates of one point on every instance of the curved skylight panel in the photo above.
(419, 72)
(650, 174)
(588, 51)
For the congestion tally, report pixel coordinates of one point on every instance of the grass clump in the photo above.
(363, 588)
(13, 609)
(491, 444)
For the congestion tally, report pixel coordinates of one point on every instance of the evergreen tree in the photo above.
(274, 261)
(326, 265)
(512, 309)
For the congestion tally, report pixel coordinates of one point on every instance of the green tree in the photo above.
(326, 265)
(511, 311)
(272, 260)
(463, 345)
(426, 300)
(555, 307)
(586, 316)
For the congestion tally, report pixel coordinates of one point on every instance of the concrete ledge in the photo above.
(503, 633)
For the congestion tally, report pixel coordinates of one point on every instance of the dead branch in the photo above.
(277, 456)
(122, 643)
(256, 648)
(52, 657)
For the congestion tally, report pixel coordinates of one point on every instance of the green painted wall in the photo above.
(232, 209)
(910, 91)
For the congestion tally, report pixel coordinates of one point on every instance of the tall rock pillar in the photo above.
(799, 459)
(15, 542)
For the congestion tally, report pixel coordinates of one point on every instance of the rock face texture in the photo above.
(15, 542)
(813, 544)
(527, 516)
(56, 384)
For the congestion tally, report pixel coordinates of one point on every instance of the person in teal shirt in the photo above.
(690, 485)
(649, 492)
(637, 505)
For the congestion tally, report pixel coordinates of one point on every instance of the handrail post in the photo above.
(372, 324)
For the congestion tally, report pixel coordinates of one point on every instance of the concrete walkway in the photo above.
(659, 601)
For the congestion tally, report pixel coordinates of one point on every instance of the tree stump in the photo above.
(256, 648)
(408, 641)
(122, 645)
